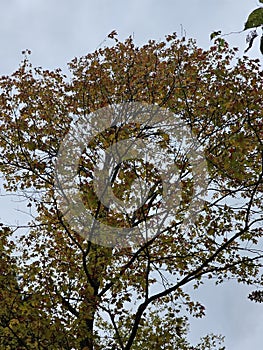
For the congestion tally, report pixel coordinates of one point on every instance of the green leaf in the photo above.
(261, 1)
(255, 19)
(215, 34)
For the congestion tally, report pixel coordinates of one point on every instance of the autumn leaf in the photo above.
(112, 34)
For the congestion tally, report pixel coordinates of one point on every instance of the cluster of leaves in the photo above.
(257, 296)
(255, 19)
(75, 294)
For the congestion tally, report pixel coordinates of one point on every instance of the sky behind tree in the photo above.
(57, 31)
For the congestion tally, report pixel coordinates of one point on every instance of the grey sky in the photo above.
(58, 30)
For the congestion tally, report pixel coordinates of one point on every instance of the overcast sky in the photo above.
(58, 30)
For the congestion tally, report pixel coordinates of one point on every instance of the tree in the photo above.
(128, 292)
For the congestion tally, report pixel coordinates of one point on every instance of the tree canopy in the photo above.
(62, 289)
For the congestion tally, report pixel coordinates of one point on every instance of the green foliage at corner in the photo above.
(255, 19)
